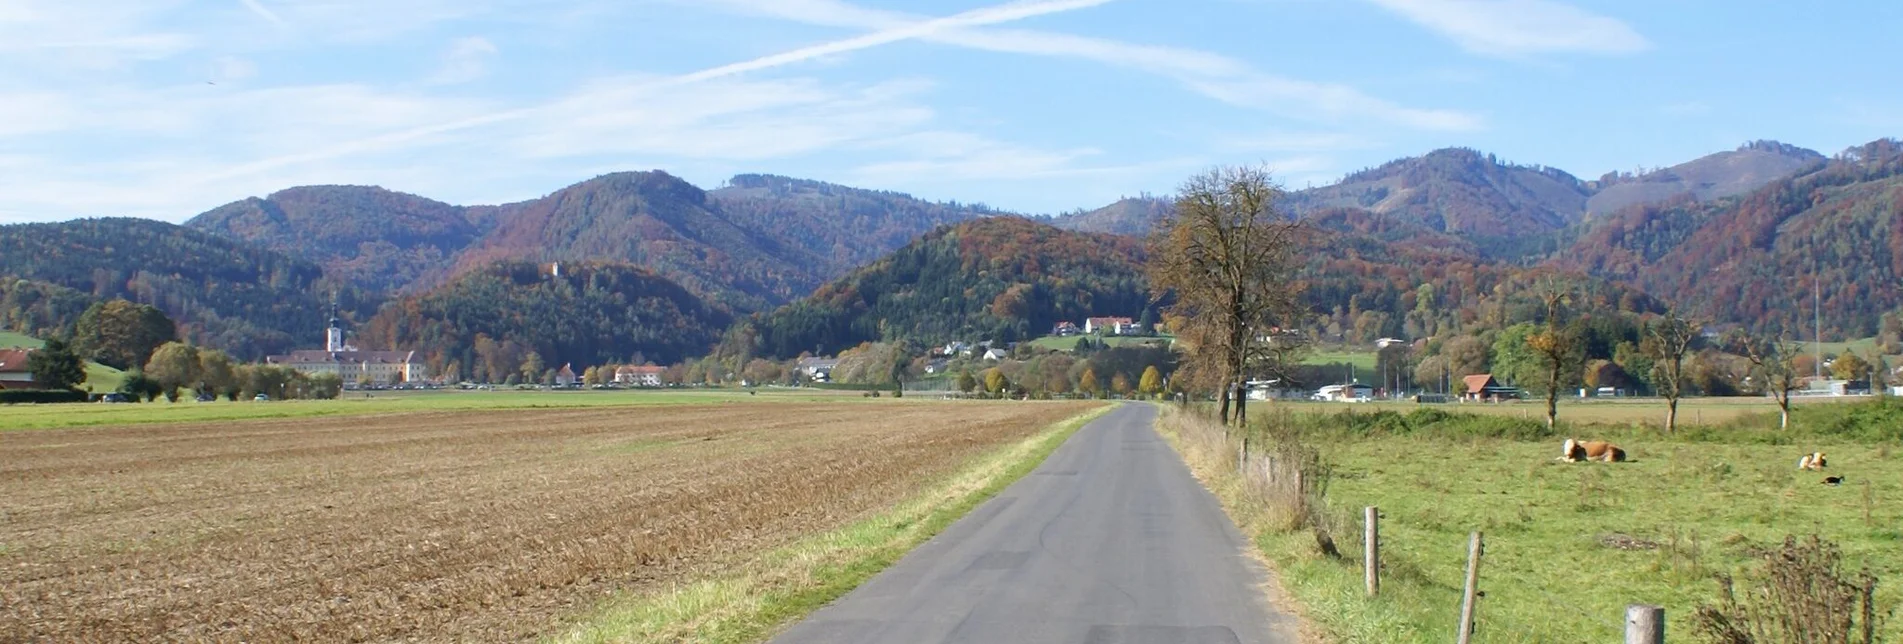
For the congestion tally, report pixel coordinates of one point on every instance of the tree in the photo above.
(532, 367)
(1088, 382)
(1557, 345)
(966, 383)
(591, 376)
(1850, 366)
(1773, 369)
(121, 334)
(325, 386)
(174, 365)
(1666, 343)
(137, 386)
(995, 382)
(1229, 256)
(56, 366)
(1151, 382)
(1120, 384)
(217, 375)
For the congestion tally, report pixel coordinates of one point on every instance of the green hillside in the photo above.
(99, 378)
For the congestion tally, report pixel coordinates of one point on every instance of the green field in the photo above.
(356, 403)
(99, 378)
(1363, 361)
(1569, 545)
(1068, 343)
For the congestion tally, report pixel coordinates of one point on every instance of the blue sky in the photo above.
(164, 108)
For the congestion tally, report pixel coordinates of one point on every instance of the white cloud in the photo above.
(1520, 27)
(467, 60)
(1214, 75)
(258, 8)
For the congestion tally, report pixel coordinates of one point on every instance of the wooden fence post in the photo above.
(1644, 624)
(1371, 549)
(1242, 458)
(1468, 595)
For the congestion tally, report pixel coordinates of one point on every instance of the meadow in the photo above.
(1568, 545)
(487, 524)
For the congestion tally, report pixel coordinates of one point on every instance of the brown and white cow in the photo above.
(1574, 451)
(1812, 461)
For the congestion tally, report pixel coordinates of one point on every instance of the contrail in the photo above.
(262, 11)
(997, 14)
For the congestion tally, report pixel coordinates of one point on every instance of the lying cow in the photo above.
(1812, 461)
(1575, 451)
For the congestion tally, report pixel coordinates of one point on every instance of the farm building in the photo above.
(1345, 393)
(566, 376)
(648, 376)
(1109, 326)
(1481, 387)
(13, 372)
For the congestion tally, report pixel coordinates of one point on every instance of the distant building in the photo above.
(1482, 387)
(352, 365)
(818, 369)
(995, 354)
(1065, 329)
(1345, 393)
(565, 377)
(1109, 325)
(13, 370)
(648, 376)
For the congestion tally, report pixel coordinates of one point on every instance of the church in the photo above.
(383, 367)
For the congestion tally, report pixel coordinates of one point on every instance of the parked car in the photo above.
(260, 398)
(114, 397)
(204, 398)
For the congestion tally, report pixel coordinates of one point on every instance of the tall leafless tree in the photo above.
(1229, 256)
(1667, 341)
(1771, 368)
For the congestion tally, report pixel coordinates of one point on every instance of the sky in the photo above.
(167, 108)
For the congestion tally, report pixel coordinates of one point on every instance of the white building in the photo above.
(352, 365)
(648, 376)
(1345, 393)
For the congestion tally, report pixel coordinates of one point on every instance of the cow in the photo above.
(1574, 451)
(1812, 461)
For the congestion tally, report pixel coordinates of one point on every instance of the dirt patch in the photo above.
(447, 526)
(1618, 541)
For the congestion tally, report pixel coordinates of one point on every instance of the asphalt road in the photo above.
(1110, 541)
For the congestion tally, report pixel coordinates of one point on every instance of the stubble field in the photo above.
(440, 526)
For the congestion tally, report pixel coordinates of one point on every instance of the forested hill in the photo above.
(1458, 190)
(1755, 259)
(1713, 176)
(834, 227)
(1001, 278)
(368, 236)
(485, 324)
(1133, 216)
(247, 300)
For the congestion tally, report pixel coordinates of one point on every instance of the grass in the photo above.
(1627, 412)
(486, 525)
(1569, 545)
(784, 585)
(1069, 343)
(1363, 361)
(17, 417)
(99, 378)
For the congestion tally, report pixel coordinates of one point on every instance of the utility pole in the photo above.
(1818, 309)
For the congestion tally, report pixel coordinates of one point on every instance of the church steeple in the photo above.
(334, 336)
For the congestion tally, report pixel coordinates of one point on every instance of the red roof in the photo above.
(1478, 381)
(13, 360)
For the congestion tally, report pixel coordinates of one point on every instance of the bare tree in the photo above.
(1556, 346)
(1771, 368)
(1229, 256)
(1666, 342)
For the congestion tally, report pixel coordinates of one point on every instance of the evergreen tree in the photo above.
(55, 366)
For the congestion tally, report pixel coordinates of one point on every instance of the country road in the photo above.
(1110, 541)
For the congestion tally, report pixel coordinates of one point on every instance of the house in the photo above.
(995, 354)
(1482, 387)
(1352, 392)
(937, 366)
(1109, 326)
(953, 349)
(1065, 329)
(818, 369)
(565, 377)
(632, 376)
(1384, 343)
(13, 370)
(352, 365)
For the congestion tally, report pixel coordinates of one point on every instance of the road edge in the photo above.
(796, 580)
(1217, 474)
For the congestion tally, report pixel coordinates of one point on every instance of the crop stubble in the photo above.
(438, 526)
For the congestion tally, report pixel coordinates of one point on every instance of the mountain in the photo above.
(367, 236)
(485, 323)
(834, 227)
(1458, 190)
(1706, 178)
(999, 278)
(1758, 258)
(1133, 216)
(246, 300)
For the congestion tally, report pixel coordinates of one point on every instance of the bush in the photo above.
(41, 396)
(1800, 594)
(1428, 422)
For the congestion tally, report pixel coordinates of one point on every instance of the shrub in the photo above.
(1800, 594)
(40, 396)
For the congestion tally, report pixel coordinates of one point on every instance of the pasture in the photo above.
(490, 524)
(1568, 545)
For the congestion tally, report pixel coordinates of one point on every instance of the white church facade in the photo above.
(351, 365)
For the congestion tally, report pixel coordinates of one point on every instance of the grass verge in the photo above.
(786, 584)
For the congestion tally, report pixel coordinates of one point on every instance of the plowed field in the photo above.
(451, 526)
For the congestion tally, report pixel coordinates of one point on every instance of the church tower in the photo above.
(334, 336)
